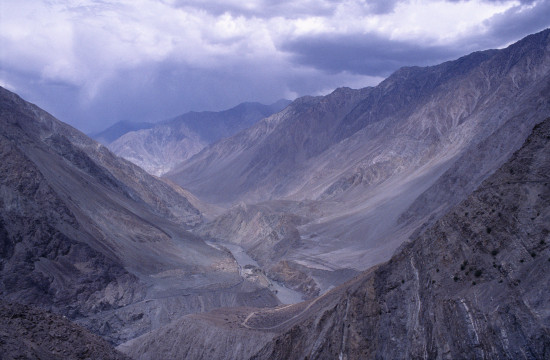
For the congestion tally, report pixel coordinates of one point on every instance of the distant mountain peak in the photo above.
(159, 147)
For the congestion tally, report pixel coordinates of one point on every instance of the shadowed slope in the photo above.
(91, 236)
(31, 333)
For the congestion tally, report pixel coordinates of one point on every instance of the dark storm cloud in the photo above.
(376, 55)
(285, 8)
(264, 9)
(370, 54)
(104, 61)
(516, 22)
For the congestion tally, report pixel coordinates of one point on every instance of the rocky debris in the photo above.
(231, 333)
(30, 333)
(268, 232)
(265, 233)
(294, 277)
(473, 285)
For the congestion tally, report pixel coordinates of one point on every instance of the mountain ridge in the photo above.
(480, 257)
(434, 184)
(93, 237)
(472, 285)
(426, 138)
(161, 146)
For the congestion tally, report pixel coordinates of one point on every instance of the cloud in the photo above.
(368, 54)
(517, 22)
(378, 52)
(94, 62)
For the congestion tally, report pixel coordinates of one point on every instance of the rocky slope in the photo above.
(373, 165)
(91, 236)
(215, 335)
(31, 333)
(158, 148)
(472, 285)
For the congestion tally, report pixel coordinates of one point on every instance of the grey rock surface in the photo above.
(31, 333)
(269, 233)
(215, 335)
(375, 164)
(89, 235)
(474, 285)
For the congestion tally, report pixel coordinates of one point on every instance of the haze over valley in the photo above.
(409, 218)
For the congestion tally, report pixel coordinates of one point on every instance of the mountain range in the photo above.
(473, 285)
(405, 220)
(157, 148)
(354, 174)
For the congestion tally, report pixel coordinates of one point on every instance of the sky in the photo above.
(92, 63)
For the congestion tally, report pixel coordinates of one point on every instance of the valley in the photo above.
(339, 182)
(405, 220)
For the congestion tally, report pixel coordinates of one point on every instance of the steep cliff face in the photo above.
(30, 126)
(473, 285)
(49, 256)
(159, 148)
(93, 237)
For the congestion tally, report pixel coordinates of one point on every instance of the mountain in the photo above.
(373, 185)
(120, 128)
(93, 237)
(158, 148)
(416, 112)
(364, 170)
(472, 285)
